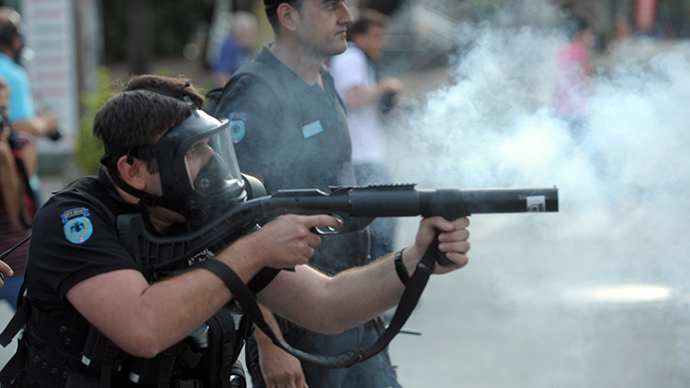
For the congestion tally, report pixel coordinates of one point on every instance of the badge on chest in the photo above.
(312, 129)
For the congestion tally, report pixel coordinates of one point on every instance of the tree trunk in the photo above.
(139, 35)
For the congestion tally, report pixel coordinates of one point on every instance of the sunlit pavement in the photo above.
(486, 326)
(471, 337)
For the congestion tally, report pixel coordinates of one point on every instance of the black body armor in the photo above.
(59, 348)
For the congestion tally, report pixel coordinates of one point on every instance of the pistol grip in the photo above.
(433, 254)
(441, 257)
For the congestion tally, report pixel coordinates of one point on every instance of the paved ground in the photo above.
(519, 316)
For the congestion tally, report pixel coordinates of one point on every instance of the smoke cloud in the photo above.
(623, 180)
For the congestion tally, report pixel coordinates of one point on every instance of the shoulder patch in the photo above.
(77, 226)
(237, 127)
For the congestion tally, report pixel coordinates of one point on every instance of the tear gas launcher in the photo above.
(356, 207)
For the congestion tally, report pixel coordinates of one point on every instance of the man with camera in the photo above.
(99, 317)
(22, 111)
(14, 218)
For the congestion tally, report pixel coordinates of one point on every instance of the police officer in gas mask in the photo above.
(97, 315)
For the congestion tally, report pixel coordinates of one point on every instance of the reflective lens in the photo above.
(211, 167)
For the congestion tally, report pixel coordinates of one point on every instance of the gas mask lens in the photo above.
(211, 167)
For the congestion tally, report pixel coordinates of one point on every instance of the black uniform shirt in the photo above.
(73, 240)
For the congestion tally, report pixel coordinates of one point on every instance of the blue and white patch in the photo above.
(312, 129)
(77, 226)
(204, 255)
(237, 127)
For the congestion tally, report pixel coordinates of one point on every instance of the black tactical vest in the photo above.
(59, 348)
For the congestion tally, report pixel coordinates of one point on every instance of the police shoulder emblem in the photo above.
(76, 225)
(237, 127)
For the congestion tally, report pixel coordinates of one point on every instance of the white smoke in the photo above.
(623, 182)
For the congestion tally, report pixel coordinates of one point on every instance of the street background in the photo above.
(592, 296)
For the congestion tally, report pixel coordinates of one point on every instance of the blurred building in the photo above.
(63, 49)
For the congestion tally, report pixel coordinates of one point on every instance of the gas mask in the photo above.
(198, 169)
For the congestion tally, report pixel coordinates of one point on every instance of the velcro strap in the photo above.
(108, 364)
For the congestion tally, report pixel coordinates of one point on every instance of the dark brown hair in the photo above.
(271, 7)
(176, 87)
(367, 18)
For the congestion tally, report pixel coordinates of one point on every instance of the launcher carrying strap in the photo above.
(408, 302)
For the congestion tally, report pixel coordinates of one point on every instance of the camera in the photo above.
(54, 134)
(4, 123)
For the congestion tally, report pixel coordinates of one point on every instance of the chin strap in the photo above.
(143, 196)
(145, 199)
(408, 302)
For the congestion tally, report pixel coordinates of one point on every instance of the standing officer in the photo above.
(290, 129)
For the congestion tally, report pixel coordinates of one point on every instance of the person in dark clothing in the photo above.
(14, 217)
(97, 315)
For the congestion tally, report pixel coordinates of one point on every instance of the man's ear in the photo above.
(287, 16)
(132, 174)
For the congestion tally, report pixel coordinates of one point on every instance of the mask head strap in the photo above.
(178, 95)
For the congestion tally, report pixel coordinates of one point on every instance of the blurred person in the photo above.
(237, 47)
(13, 226)
(290, 129)
(573, 73)
(22, 113)
(622, 27)
(97, 316)
(356, 82)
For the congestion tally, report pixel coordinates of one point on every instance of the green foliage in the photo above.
(172, 24)
(89, 149)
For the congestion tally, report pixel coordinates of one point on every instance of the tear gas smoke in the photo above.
(562, 280)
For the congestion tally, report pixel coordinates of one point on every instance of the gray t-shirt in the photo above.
(310, 150)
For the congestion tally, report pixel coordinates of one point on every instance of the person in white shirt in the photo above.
(356, 82)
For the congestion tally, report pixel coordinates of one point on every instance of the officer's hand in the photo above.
(288, 241)
(280, 369)
(453, 242)
(50, 120)
(5, 270)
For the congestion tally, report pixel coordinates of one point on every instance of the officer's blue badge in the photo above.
(237, 128)
(77, 226)
(312, 129)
